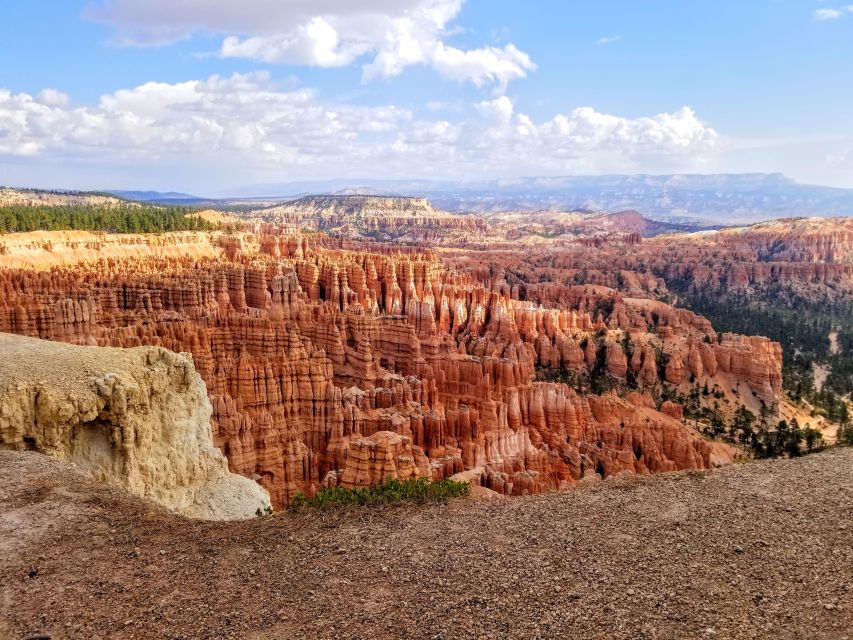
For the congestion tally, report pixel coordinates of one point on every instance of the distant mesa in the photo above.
(686, 199)
(397, 218)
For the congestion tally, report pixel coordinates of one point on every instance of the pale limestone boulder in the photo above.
(138, 418)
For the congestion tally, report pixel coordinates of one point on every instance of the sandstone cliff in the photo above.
(139, 418)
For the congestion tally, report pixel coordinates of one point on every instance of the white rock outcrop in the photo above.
(138, 418)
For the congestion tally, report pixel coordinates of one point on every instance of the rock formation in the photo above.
(808, 258)
(383, 455)
(45, 249)
(378, 217)
(332, 361)
(138, 418)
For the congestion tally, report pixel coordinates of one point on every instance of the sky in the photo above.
(208, 96)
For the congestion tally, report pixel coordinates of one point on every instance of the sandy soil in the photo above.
(757, 550)
(834, 346)
(820, 372)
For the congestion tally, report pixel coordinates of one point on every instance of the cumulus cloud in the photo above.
(489, 65)
(608, 40)
(248, 126)
(832, 14)
(827, 14)
(393, 34)
(52, 97)
(316, 43)
(498, 110)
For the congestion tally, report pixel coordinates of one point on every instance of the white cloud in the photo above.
(608, 40)
(832, 14)
(53, 98)
(248, 128)
(498, 110)
(315, 43)
(489, 65)
(827, 14)
(394, 34)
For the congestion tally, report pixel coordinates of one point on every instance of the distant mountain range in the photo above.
(715, 198)
(157, 196)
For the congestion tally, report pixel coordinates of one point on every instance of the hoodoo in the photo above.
(308, 352)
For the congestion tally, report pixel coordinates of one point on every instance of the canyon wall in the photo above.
(138, 418)
(38, 250)
(807, 259)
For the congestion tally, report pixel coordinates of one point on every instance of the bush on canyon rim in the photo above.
(416, 490)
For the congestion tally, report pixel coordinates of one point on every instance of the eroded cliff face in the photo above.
(39, 250)
(138, 418)
(409, 220)
(808, 258)
(339, 363)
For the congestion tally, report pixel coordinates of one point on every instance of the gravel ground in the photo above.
(758, 550)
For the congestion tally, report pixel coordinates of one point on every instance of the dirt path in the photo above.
(760, 550)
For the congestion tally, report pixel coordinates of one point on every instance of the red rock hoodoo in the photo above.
(343, 363)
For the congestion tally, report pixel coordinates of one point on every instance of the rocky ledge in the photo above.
(137, 418)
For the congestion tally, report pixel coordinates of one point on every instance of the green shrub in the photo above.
(417, 490)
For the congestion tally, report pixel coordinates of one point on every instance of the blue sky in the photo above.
(271, 91)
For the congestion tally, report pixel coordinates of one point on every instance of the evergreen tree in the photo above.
(124, 218)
